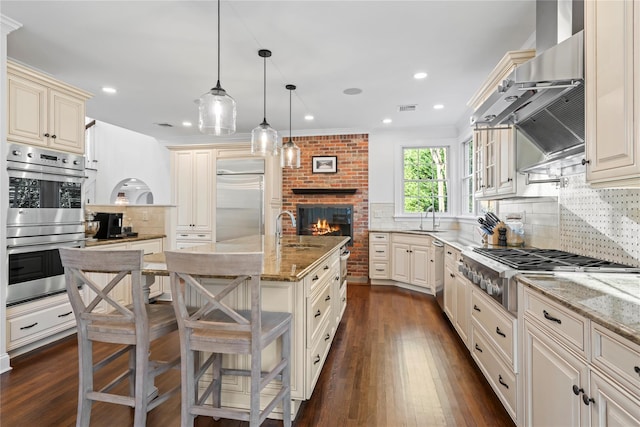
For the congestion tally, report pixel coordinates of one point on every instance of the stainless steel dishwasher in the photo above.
(437, 256)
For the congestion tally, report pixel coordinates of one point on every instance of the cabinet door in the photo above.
(27, 111)
(463, 307)
(183, 189)
(450, 289)
(612, 61)
(491, 146)
(506, 153)
(420, 266)
(400, 262)
(479, 141)
(551, 372)
(203, 185)
(612, 407)
(66, 122)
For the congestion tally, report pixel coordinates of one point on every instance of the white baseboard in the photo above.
(4, 363)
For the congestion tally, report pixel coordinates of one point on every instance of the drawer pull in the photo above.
(380, 252)
(587, 400)
(476, 308)
(501, 381)
(29, 326)
(478, 348)
(379, 269)
(344, 299)
(380, 237)
(549, 317)
(326, 267)
(449, 252)
(499, 332)
(318, 313)
(316, 360)
(637, 369)
(452, 275)
(315, 278)
(65, 314)
(337, 278)
(202, 235)
(328, 298)
(577, 390)
(327, 337)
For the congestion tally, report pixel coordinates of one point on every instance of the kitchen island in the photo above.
(301, 275)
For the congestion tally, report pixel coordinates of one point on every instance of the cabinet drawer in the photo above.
(570, 328)
(149, 246)
(379, 270)
(193, 236)
(451, 255)
(325, 271)
(616, 356)
(379, 251)
(499, 375)
(319, 310)
(342, 299)
(499, 327)
(318, 353)
(378, 237)
(31, 324)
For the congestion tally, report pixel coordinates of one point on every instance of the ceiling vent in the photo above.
(406, 108)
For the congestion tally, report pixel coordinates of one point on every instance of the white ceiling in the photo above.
(162, 55)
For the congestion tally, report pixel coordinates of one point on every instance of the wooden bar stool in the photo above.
(105, 319)
(216, 329)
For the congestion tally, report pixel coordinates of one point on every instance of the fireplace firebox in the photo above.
(326, 220)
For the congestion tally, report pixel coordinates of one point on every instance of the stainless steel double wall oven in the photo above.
(45, 213)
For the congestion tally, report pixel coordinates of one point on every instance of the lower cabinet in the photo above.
(612, 406)
(379, 256)
(410, 260)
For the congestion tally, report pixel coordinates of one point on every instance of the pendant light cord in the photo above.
(264, 119)
(290, 139)
(218, 84)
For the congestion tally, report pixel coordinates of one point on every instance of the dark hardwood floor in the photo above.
(395, 361)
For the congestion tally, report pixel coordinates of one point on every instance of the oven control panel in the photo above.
(27, 156)
(495, 282)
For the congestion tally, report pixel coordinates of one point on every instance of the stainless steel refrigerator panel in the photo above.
(239, 206)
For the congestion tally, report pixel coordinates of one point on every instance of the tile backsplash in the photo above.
(146, 219)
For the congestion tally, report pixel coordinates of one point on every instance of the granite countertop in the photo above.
(290, 260)
(609, 299)
(451, 237)
(90, 243)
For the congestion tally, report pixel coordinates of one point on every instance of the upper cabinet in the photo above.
(494, 166)
(43, 111)
(612, 83)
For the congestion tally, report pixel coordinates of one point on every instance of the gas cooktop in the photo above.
(551, 260)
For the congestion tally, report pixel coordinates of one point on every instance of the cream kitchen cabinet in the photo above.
(379, 256)
(43, 111)
(494, 166)
(457, 294)
(410, 260)
(193, 185)
(612, 83)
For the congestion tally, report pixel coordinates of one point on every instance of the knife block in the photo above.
(493, 238)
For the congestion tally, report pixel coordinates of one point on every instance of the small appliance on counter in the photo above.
(110, 225)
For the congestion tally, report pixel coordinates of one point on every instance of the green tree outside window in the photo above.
(425, 179)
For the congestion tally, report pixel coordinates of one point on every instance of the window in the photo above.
(425, 180)
(468, 204)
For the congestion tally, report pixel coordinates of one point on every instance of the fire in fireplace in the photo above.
(326, 220)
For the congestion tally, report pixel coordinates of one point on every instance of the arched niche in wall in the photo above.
(131, 191)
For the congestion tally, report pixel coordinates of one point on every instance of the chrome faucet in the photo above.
(433, 222)
(278, 225)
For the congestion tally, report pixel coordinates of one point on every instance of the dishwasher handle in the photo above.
(438, 244)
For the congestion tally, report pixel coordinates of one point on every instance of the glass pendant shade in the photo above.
(217, 112)
(290, 157)
(264, 140)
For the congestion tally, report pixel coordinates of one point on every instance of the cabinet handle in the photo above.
(53, 136)
(501, 381)
(65, 314)
(379, 252)
(452, 275)
(577, 390)
(585, 162)
(46, 135)
(587, 400)
(509, 179)
(476, 308)
(431, 260)
(318, 313)
(344, 299)
(337, 278)
(499, 332)
(379, 237)
(29, 326)
(202, 235)
(637, 369)
(549, 317)
(326, 267)
(316, 360)
(328, 298)
(315, 278)
(478, 348)
(449, 253)
(327, 337)
(379, 269)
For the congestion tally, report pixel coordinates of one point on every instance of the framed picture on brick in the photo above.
(324, 164)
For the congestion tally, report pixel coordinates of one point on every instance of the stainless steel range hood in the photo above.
(544, 97)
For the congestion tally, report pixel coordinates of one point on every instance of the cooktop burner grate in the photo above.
(548, 260)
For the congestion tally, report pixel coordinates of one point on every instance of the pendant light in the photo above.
(217, 110)
(290, 151)
(264, 138)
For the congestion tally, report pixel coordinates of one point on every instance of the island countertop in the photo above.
(609, 299)
(290, 259)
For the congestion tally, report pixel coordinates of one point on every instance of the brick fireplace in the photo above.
(348, 186)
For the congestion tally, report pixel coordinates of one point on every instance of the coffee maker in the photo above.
(110, 225)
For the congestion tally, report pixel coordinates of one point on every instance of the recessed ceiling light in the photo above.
(386, 121)
(187, 124)
(419, 76)
(438, 107)
(352, 91)
(308, 117)
(106, 89)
